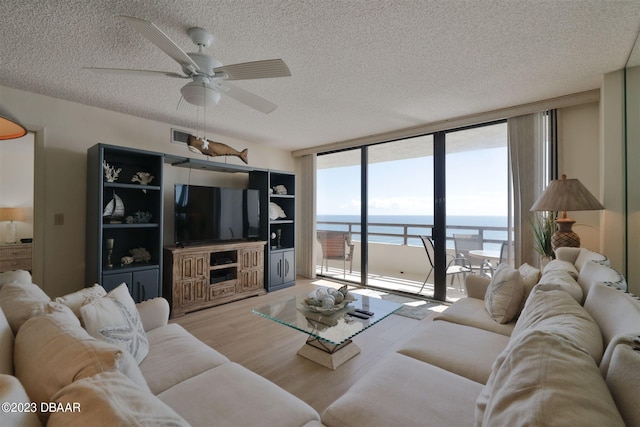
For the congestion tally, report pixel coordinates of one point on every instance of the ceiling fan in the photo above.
(208, 76)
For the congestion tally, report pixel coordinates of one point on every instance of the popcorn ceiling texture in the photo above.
(358, 67)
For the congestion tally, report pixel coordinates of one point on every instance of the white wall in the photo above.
(579, 157)
(64, 132)
(16, 182)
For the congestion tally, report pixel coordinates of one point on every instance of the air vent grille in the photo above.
(179, 136)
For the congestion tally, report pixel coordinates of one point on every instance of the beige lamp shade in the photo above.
(10, 127)
(11, 214)
(564, 195)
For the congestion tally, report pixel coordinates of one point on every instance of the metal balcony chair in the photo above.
(336, 245)
(455, 266)
(464, 243)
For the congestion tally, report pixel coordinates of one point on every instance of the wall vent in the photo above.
(179, 136)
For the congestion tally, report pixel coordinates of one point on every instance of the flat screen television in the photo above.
(213, 214)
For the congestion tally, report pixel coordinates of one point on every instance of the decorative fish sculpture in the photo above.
(213, 149)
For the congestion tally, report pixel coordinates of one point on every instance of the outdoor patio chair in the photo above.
(336, 245)
(464, 243)
(455, 266)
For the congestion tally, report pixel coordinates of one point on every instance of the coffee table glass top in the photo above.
(336, 328)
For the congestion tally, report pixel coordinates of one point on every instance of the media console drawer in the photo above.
(228, 272)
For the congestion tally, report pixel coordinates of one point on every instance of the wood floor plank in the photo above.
(269, 349)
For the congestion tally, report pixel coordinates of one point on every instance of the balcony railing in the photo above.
(409, 234)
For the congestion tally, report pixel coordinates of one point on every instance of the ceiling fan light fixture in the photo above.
(200, 94)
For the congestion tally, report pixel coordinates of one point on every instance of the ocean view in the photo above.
(418, 225)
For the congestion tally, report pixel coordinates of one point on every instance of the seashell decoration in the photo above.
(143, 178)
(280, 189)
(140, 255)
(126, 260)
(328, 298)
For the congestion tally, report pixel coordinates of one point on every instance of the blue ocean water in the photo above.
(380, 232)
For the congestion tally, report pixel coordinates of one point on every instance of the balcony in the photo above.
(397, 259)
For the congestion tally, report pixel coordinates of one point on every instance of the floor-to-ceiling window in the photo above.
(400, 179)
(338, 207)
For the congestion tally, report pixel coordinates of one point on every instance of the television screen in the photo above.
(210, 214)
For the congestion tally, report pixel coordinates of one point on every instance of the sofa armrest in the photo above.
(476, 286)
(154, 313)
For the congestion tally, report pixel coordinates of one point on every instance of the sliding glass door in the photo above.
(388, 215)
(339, 224)
(400, 212)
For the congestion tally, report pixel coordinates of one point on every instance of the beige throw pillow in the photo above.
(111, 399)
(115, 319)
(530, 276)
(504, 294)
(546, 380)
(77, 299)
(13, 393)
(51, 353)
(20, 302)
(559, 265)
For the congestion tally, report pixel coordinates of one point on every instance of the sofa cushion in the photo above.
(623, 377)
(21, 301)
(51, 353)
(6, 346)
(556, 312)
(111, 399)
(12, 392)
(419, 394)
(471, 312)
(586, 255)
(115, 319)
(14, 276)
(559, 265)
(240, 398)
(596, 272)
(446, 345)
(547, 380)
(560, 279)
(175, 355)
(504, 294)
(77, 299)
(616, 312)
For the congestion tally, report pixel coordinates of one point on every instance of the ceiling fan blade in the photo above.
(255, 70)
(247, 98)
(130, 72)
(160, 39)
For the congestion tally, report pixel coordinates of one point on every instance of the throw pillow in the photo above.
(11, 391)
(504, 294)
(546, 380)
(20, 302)
(77, 299)
(52, 352)
(111, 399)
(623, 376)
(115, 319)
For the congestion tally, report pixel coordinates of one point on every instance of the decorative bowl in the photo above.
(317, 309)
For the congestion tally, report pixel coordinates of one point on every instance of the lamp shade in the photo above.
(11, 214)
(566, 195)
(10, 127)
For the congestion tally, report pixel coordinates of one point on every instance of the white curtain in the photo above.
(306, 217)
(526, 156)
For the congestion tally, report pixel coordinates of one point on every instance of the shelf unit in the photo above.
(280, 270)
(143, 278)
(202, 276)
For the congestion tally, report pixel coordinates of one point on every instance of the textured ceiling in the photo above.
(358, 67)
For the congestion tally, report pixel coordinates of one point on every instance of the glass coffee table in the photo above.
(329, 343)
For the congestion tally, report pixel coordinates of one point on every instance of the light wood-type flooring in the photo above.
(269, 349)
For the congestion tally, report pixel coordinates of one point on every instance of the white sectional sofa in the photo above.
(54, 373)
(571, 357)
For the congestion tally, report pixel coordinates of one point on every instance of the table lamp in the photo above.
(11, 215)
(564, 195)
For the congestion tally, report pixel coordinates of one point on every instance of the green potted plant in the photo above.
(543, 226)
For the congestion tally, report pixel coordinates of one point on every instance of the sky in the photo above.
(476, 185)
